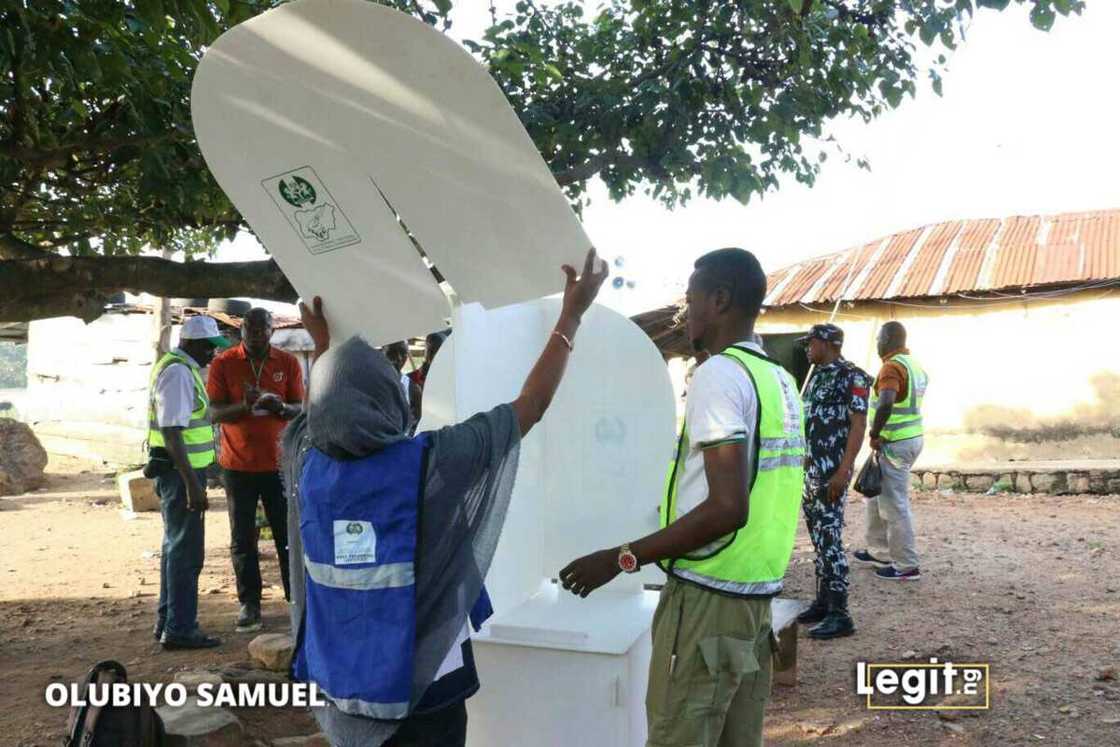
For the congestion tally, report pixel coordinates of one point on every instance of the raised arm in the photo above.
(541, 384)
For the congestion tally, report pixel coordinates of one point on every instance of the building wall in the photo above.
(87, 385)
(1023, 379)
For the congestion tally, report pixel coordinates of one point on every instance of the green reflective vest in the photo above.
(198, 436)
(752, 561)
(906, 415)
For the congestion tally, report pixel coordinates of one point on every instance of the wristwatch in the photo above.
(627, 561)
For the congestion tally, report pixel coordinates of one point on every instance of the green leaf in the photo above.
(795, 6)
(444, 6)
(151, 12)
(1043, 17)
(928, 33)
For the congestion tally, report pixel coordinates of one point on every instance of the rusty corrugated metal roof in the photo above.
(958, 257)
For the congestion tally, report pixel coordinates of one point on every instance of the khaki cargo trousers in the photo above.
(709, 675)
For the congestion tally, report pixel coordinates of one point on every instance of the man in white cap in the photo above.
(181, 446)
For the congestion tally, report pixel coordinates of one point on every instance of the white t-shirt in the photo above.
(722, 407)
(174, 394)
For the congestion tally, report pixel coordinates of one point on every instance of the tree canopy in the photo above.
(676, 98)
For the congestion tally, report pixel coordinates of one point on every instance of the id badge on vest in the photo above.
(354, 542)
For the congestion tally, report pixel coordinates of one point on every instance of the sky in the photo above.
(1027, 124)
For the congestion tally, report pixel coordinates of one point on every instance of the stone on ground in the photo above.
(315, 740)
(979, 483)
(245, 672)
(192, 679)
(191, 725)
(22, 458)
(1044, 483)
(138, 493)
(273, 651)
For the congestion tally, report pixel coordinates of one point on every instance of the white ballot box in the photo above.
(559, 670)
(359, 144)
(552, 664)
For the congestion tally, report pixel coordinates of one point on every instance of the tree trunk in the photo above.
(78, 286)
(161, 320)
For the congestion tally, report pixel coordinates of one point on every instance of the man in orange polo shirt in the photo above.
(255, 389)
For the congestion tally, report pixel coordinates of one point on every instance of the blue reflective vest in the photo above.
(358, 522)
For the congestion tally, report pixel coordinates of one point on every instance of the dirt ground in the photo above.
(1030, 584)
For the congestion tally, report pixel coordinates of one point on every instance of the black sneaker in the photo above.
(194, 640)
(863, 556)
(890, 574)
(249, 620)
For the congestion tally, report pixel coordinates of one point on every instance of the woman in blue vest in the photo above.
(392, 536)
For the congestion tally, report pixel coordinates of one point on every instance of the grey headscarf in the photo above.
(356, 407)
(356, 404)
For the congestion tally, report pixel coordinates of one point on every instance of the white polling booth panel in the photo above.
(349, 135)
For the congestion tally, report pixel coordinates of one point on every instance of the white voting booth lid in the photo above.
(319, 115)
(313, 114)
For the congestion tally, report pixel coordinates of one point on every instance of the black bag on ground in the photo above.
(111, 726)
(870, 479)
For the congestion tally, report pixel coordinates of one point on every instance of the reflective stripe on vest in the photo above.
(753, 560)
(905, 421)
(198, 436)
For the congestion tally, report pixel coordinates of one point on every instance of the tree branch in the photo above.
(15, 248)
(79, 286)
(847, 14)
(595, 164)
(12, 149)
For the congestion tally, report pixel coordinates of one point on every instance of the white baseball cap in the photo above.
(203, 328)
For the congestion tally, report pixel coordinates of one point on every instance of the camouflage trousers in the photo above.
(825, 521)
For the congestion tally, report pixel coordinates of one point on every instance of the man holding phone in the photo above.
(255, 389)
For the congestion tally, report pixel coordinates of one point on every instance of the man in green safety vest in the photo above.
(896, 433)
(729, 516)
(181, 446)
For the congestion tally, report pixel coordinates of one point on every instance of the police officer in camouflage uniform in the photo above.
(836, 404)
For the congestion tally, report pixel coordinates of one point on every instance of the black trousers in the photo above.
(243, 491)
(446, 727)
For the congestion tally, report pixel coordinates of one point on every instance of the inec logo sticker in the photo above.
(354, 542)
(311, 210)
(298, 192)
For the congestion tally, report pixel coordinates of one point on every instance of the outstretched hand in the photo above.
(586, 574)
(316, 324)
(580, 291)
